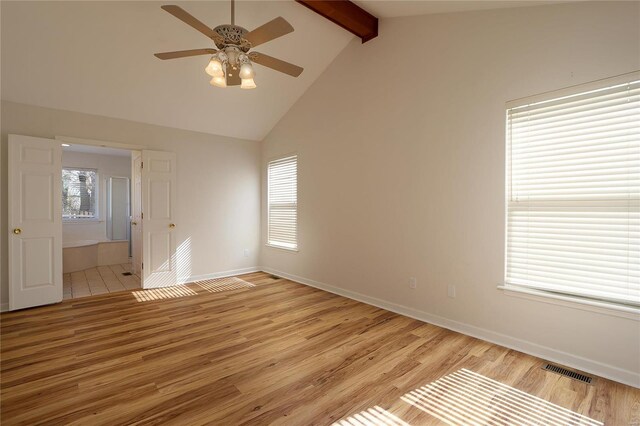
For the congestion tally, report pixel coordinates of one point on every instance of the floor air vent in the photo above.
(275, 277)
(568, 373)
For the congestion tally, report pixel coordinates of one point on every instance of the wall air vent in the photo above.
(568, 373)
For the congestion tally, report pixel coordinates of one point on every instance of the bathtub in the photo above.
(84, 254)
(79, 243)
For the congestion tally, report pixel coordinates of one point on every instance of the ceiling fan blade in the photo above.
(233, 76)
(269, 31)
(188, 19)
(184, 53)
(276, 64)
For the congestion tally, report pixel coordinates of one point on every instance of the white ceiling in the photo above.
(397, 8)
(97, 57)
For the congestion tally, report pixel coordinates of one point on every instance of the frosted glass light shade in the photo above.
(214, 68)
(248, 83)
(246, 71)
(219, 81)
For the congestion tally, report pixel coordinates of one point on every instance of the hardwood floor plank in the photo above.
(268, 352)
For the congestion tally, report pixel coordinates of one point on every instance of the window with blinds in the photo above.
(79, 193)
(282, 187)
(573, 192)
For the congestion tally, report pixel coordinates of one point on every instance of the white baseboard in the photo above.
(587, 365)
(223, 274)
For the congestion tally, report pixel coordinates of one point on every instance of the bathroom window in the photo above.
(79, 194)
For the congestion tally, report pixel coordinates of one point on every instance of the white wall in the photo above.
(401, 170)
(107, 166)
(218, 183)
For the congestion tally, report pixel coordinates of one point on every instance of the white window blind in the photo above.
(573, 194)
(283, 203)
(79, 193)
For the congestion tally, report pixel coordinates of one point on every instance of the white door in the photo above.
(136, 212)
(35, 221)
(158, 220)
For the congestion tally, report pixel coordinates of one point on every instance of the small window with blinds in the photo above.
(79, 194)
(282, 188)
(573, 192)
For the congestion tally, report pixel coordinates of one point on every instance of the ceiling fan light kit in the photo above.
(232, 64)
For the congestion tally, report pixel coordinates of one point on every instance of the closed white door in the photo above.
(158, 219)
(136, 212)
(35, 221)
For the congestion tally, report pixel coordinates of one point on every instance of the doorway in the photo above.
(96, 220)
(37, 209)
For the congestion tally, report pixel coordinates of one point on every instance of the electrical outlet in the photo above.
(246, 252)
(451, 291)
(413, 283)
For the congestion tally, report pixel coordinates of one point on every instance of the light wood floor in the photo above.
(269, 351)
(99, 280)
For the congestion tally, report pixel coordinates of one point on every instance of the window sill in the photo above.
(282, 248)
(574, 302)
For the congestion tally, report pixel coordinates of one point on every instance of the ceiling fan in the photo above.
(231, 64)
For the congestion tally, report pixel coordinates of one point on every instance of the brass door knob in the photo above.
(172, 225)
(134, 223)
(17, 231)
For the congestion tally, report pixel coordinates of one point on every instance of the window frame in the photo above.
(268, 243)
(96, 216)
(545, 296)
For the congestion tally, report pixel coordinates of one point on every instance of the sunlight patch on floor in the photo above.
(468, 398)
(224, 284)
(374, 416)
(163, 293)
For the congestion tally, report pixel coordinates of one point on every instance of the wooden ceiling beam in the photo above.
(348, 15)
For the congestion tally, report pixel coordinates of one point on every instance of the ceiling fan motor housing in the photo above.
(232, 35)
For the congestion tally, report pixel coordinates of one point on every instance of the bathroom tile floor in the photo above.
(100, 280)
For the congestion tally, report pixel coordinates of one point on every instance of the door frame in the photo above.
(104, 144)
(81, 141)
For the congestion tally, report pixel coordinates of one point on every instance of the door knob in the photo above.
(134, 223)
(17, 231)
(172, 225)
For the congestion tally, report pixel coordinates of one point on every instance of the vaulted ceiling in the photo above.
(97, 58)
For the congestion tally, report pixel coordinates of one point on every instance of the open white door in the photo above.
(136, 212)
(35, 221)
(158, 222)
